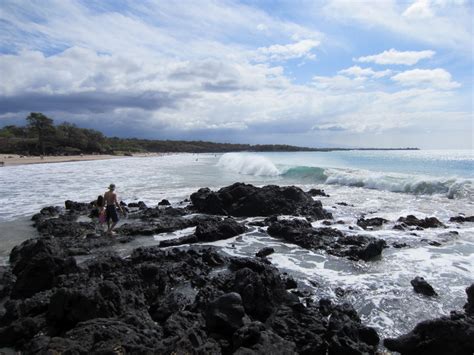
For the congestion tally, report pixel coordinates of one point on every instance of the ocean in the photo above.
(387, 184)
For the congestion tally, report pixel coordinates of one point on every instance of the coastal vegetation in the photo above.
(41, 136)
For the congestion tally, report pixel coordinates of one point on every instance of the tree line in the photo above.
(40, 136)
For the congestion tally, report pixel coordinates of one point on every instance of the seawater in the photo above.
(386, 184)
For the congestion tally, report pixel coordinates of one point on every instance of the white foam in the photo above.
(176, 234)
(452, 187)
(248, 164)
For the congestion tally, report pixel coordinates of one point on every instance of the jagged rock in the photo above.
(224, 229)
(164, 224)
(255, 338)
(68, 307)
(78, 206)
(371, 222)
(185, 300)
(164, 202)
(245, 200)
(462, 219)
(130, 335)
(469, 306)
(7, 280)
(16, 332)
(140, 205)
(265, 252)
(64, 227)
(46, 212)
(428, 222)
(421, 286)
(36, 264)
(349, 335)
(173, 302)
(399, 245)
(289, 281)
(209, 232)
(301, 232)
(446, 335)
(317, 192)
(224, 315)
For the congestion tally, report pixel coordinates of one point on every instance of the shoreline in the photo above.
(16, 159)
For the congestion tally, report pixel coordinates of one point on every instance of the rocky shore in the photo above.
(176, 298)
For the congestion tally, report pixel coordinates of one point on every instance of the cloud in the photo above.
(393, 56)
(357, 71)
(339, 82)
(96, 102)
(437, 78)
(419, 9)
(328, 127)
(448, 27)
(196, 70)
(278, 52)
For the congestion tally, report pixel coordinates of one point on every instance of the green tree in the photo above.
(42, 126)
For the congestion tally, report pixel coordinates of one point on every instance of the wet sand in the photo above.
(15, 159)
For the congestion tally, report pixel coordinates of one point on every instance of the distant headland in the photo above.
(42, 137)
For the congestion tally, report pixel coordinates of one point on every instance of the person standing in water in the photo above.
(110, 198)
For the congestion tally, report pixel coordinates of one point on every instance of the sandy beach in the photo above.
(15, 159)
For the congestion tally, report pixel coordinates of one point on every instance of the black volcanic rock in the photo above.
(46, 212)
(164, 202)
(173, 300)
(209, 232)
(78, 206)
(243, 200)
(453, 334)
(224, 315)
(428, 222)
(36, 264)
(255, 338)
(421, 286)
(469, 306)
(140, 205)
(186, 301)
(317, 192)
(371, 222)
(462, 219)
(227, 228)
(265, 252)
(301, 232)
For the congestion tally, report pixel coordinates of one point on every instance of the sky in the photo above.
(329, 73)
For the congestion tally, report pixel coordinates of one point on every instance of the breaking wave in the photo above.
(256, 165)
(248, 164)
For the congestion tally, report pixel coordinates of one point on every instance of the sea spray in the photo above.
(259, 165)
(248, 164)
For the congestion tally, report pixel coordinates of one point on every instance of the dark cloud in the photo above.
(222, 86)
(334, 127)
(88, 102)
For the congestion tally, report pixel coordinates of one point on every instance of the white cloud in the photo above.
(183, 67)
(357, 71)
(419, 9)
(436, 78)
(449, 26)
(392, 56)
(278, 52)
(339, 83)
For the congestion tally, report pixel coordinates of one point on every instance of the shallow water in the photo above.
(434, 183)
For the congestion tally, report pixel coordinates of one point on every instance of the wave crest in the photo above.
(248, 164)
(257, 165)
(417, 185)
